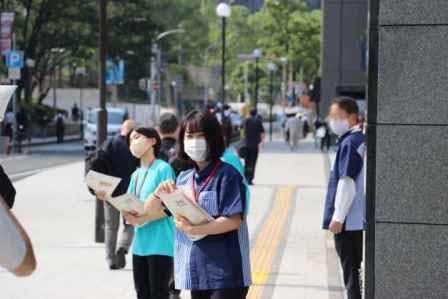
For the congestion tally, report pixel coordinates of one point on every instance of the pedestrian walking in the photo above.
(323, 134)
(154, 232)
(254, 134)
(60, 127)
(294, 125)
(8, 131)
(168, 129)
(218, 265)
(75, 112)
(118, 161)
(345, 202)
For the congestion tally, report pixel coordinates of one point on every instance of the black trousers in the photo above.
(250, 162)
(153, 276)
(235, 293)
(349, 248)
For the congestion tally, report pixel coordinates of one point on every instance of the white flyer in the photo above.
(178, 202)
(127, 203)
(102, 183)
(6, 92)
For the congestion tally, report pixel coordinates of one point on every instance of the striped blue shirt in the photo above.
(217, 261)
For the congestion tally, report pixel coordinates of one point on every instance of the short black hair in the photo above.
(206, 123)
(151, 133)
(168, 123)
(253, 111)
(347, 104)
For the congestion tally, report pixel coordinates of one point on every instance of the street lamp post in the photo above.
(155, 69)
(257, 54)
(272, 67)
(102, 113)
(206, 84)
(223, 11)
(284, 62)
(57, 52)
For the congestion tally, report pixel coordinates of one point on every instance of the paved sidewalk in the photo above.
(291, 256)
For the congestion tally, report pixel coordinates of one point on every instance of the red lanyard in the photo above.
(205, 183)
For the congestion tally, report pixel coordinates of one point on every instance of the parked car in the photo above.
(115, 117)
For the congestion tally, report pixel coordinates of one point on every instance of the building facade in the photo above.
(344, 49)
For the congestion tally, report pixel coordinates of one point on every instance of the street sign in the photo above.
(155, 86)
(6, 25)
(14, 74)
(7, 20)
(14, 59)
(5, 45)
(114, 72)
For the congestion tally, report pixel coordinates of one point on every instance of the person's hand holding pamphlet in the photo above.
(100, 182)
(178, 202)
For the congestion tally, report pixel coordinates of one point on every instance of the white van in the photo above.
(115, 117)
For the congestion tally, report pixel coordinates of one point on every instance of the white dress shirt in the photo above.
(345, 195)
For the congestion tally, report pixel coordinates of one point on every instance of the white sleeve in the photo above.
(12, 246)
(345, 195)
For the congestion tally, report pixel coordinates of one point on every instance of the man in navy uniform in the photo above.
(344, 213)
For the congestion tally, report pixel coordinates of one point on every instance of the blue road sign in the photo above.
(14, 59)
(114, 72)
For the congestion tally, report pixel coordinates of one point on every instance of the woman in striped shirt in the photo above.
(218, 265)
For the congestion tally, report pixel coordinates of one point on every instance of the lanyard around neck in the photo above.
(205, 183)
(138, 190)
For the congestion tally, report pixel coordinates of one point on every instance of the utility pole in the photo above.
(223, 68)
(16, 142)
(102, 113)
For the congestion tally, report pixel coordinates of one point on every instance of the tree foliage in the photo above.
(57, 33)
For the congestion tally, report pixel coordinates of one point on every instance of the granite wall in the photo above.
(407, 236)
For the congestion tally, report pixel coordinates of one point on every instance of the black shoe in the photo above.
(120, 258)
(113, 267)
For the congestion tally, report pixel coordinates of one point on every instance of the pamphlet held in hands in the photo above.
(127, 203)
(102, 183)
(178, 202)
(105, 183)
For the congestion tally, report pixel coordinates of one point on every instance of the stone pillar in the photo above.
(344, 25)
(407, 160)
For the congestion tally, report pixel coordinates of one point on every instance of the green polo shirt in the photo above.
(156, 237)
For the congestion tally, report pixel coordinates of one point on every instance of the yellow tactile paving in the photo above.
(267, 242)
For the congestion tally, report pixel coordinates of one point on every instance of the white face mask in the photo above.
(139, 147)
(339, 127)
(196, 148)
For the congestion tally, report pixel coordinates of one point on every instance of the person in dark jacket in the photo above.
(116, 160)
(7, 190)
(168, 128)
(254, 134)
